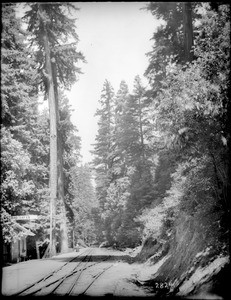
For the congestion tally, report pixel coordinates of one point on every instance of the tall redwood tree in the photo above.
(55, 39)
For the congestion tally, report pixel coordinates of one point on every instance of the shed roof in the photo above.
(21, 228)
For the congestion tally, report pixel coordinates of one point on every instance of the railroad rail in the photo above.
(96, 277)
(63, 280)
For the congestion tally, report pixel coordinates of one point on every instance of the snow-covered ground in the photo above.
(18, 276)
(200, 276)
(116, 280)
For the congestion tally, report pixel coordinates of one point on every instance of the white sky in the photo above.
(114, 37)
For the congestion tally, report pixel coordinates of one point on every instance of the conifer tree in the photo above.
(127, 182)
(121, 99)
(173, 39)
(104, 157)
(190, 110)
(83, 202)
(55, 37)
(19, 193)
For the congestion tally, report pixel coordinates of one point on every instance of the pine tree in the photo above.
(71, 144)
(82, 204)
(121, 99)
(191, 170)
(106, 152)
(19, 193)
(57, 56)
(104, 147)
(127, 183)
(173, 39)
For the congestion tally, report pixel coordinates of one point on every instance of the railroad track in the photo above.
(63, 280)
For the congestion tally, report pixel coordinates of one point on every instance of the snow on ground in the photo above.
(18, 276)
(147, 271)
(201, 275)
(133, 251)
(116, 280)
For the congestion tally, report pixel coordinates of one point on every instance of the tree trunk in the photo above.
(61, 193)
(63, 224)
(53, 143)
(188, 31)
(141, 127)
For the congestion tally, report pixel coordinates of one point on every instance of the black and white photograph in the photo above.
(115, 149)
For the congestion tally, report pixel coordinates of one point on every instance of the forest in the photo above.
(161, 154)
(161, 157)
(36, 168)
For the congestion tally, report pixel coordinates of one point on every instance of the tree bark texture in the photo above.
(53, 142)
(60, 191)
(188, 31)
(61, 197)
(141, 127)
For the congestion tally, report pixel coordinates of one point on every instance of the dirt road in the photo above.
(90, 272)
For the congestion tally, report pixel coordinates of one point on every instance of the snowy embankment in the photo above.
(202, 276)
(120, 278)
(195, 283)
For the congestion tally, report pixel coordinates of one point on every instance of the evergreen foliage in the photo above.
(25, 131)
(124, 186)
(82, 204)
(161, 156)
(193, 210)
(23, 170)
(53, 19)
(54, 38)
(171, 142)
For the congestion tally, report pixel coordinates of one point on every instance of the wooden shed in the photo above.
(17, 251)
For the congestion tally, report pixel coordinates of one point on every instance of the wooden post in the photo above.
(73, 238)
(37, 249)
